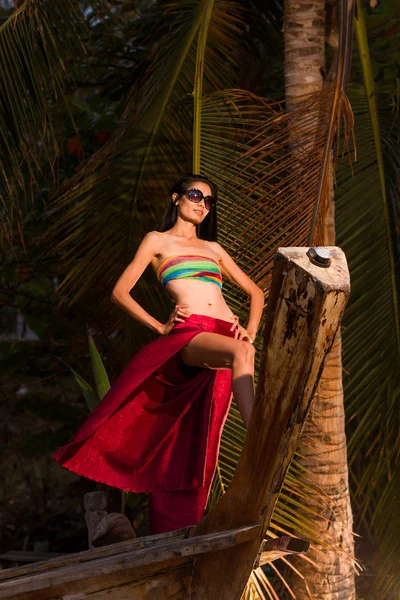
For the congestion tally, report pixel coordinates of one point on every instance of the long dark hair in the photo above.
(207, 230)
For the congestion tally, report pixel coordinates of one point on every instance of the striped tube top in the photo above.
(192, 266)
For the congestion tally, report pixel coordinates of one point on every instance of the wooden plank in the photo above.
(167, 586)
(161, 553)
(171, 581)
(277, 548)
(78, 557)
(32, 556)
(305, 307)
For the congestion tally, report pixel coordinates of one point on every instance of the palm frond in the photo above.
(198, 84)
(370, 333)
(119, 192)
(266, 200)
(39, 45)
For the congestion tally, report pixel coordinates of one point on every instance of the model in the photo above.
(159, 426)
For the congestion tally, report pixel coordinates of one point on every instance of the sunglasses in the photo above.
(195, 195)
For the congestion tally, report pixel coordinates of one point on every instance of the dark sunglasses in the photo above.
(195, 195)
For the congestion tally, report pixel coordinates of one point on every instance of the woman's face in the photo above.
(193, 211)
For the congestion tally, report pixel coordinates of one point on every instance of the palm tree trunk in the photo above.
(322, 446)
(323, 452)
(304, 33)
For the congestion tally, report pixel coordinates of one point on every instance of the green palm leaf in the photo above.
(371, 328)
(39, 45)
(100, 374)
(89, 394)
(151, 148)
(267, 196)
(370, 344)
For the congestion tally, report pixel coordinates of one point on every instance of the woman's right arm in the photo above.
(120, 294)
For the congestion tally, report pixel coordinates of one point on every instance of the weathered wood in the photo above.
(103, 528)
(81, 574)
(305, 306)
(169, 580)
(86, 555)
(277, 548)
(95, 505)
(113, 528)
(171, 585)
(24, 556)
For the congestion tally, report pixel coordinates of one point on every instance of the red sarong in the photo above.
(159, 426)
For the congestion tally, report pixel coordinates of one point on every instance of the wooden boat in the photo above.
(214, 558)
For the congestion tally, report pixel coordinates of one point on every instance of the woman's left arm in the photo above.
(235, 274)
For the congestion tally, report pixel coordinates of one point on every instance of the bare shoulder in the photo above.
(216, 248)
(153, 236)
(152, 239)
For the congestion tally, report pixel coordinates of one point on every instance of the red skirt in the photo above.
(159, 426)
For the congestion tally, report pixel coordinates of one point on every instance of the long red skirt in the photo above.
(158, 428)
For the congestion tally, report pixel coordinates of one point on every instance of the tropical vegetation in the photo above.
(103, 105)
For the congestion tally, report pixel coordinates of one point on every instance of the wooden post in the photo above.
(95, 505)
(306, 303)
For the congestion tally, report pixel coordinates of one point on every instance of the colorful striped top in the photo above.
(193, 266)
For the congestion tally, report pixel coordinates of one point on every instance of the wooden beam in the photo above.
(100, 567)
(305, 307)
(28, 556)
(72, 559)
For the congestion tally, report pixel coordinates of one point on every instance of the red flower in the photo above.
(24, 272)
(103, 136)
(74, 147)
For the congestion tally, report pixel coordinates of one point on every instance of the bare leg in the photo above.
(217, 351)
(243, 391)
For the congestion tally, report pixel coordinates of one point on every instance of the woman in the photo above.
(158, 428)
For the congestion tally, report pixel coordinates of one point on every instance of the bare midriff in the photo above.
(201, 297)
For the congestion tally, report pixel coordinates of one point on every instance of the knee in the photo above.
(244, 352)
